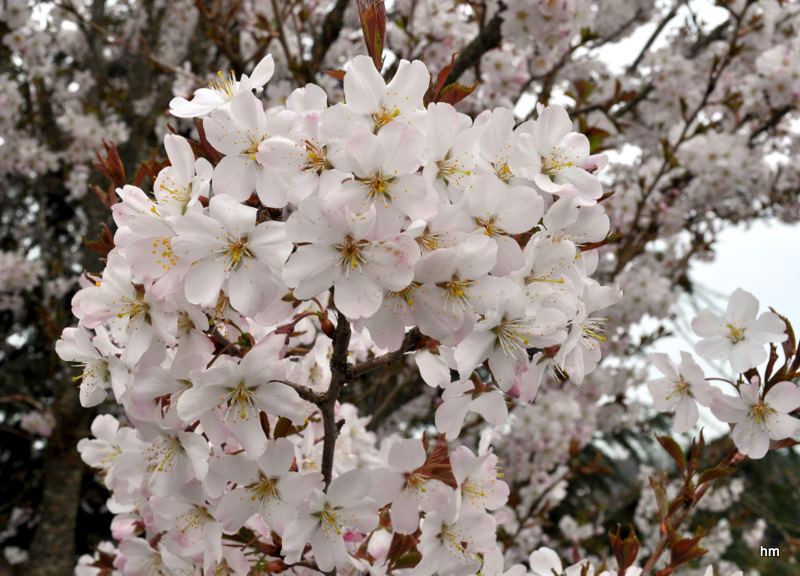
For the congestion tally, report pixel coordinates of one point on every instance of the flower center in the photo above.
(454, 293)
(330, 519)
(429, 242)
(509, 338)
(240, 401)
(735, 334)
(351, 256)
(264, 490)
(448, 169)
(681, 388)
(383, 117)
(225, 86)
(407, 293)
(378, 187)
(416, 481)
(554, 164)
(168, 259)
(316, 158)
(237, 250)
(759, 412)
(136, 310)
(490, 229)
(503, 172)
(456, 547)
(592, 327)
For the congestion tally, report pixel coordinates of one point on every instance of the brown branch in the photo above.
(487, 39)
(106, 33)
(227, 346)
(656, 33)
(339, 369)
(388, 401)
(331, 28)
(411, 339)
(772, 122)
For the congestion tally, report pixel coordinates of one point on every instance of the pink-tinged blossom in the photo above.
(563, 154)
(737, 335)
(455, 287)
(405, 487)
(370, 103)
(338, 254)
(266, 487)
(189, 524)
(581, 351)
(298, 160)
(179, 186)
(222, 91)
(117, 451)
(228, 245)
(330, 517)
(503, 337)
(384, 168)
(545, 562)
(494, 565)
(135, 316)
(243, 391)
(500, 211)
(756, 419)
(683, 388)
(452, 156)
(478, 482)
(452, 543)
(174, 457)
(138, 558)
(97, 360)
(461, 397)
(237, 134)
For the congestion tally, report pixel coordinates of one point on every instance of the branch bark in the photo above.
(488, 38)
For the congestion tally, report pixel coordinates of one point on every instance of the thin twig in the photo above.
(656, 33)
(732, 458)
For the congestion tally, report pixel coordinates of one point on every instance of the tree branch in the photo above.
(488, 38)
(331, 29)
(339, 370)
(732, 458)
(656, 33)
(411, 339)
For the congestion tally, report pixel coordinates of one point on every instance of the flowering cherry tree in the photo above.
(355, 318)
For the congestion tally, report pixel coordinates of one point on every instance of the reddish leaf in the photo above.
(674, 450)
(785, 443)
(111, 166)
(454, 93)
(104, 243)
(686, 550)
(338, 74)
(625, 550)
(713, 473)
(373, 25)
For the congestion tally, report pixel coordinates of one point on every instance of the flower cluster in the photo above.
(377, 216)
(758, 413)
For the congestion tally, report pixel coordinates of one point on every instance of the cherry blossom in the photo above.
(758, 418)
(737, 335)
(683, 388)
(222, 91)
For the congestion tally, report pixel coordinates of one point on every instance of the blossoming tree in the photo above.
(333, 303)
